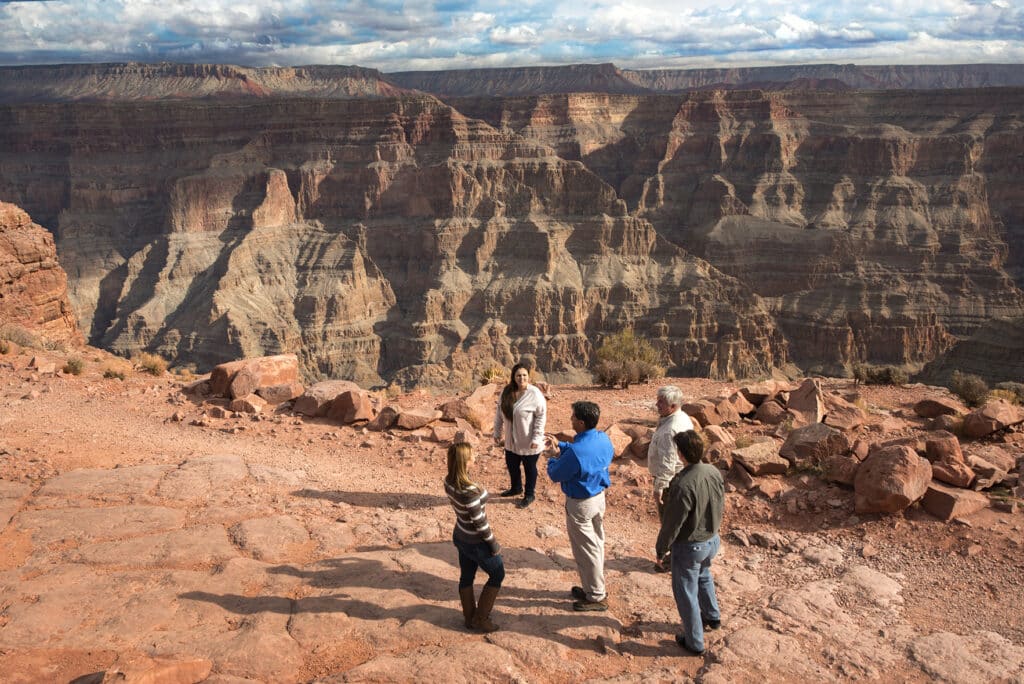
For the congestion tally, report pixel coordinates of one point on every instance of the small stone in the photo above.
(868, 551)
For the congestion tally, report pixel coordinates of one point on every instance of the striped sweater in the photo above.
(470, 518)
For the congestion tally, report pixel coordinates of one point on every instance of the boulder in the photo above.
(716, 434)
(890, 480)
(261, 372)
(42, 366)
(317, 399)
(993, 416)
(251, 403)
(761, 392)
(994, 454)
(740, 404)
(843, 415)
(384, 420)
(938, 406)
(719, 454)
(807, 403)
(727, 412)
(702, 412)
(947, 423)
(954, 473)
(986, 474)
(413, 419)
(841, 468)
(351, 406)
(620, 440)
(860, 449)
(761, 458)
(946, 503)
(278, 394)
(478, 408)
(812, 444)
(740, 476)
(943, 447)
(771, 413)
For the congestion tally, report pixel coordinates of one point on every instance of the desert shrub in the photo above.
(113, 373)
(884, 375)
(743, 441)
(1016, 387)
(492, 374)
(969, 387)
(624, 359)
(5, 346)
(20, 336)
(150, 363)
(74, 366)
(1005, 395)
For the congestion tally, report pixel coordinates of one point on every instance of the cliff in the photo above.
(405, 238)
(33, 286)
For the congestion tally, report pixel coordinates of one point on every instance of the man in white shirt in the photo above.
(662, 456)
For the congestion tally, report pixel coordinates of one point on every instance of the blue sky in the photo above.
(452, 34)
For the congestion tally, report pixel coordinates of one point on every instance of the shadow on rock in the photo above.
(393, 500)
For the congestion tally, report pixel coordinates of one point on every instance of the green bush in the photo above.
(113, 373)
(969, 387)
(74, 366)
(879, 375)
(624, 359)
(150, 363)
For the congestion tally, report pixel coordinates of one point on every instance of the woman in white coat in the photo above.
(519, 427)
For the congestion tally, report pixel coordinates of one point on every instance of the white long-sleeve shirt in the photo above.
(524, 434)
(662, 456)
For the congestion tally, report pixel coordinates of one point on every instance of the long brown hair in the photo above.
(458, 466)
(508, 399)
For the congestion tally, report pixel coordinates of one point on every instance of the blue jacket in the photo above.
(582, 466)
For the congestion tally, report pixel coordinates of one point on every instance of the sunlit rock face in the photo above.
(384, 235)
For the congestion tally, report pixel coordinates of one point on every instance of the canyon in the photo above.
(419, 228)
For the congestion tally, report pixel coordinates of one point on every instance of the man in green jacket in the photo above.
(694, 503)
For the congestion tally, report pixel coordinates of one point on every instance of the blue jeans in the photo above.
(694, 588)
(473, 556)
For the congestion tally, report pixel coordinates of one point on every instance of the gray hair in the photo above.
(672, 395)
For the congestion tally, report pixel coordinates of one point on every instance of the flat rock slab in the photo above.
(205, 545)
(275, 539)
(946, 503)
(761, 458)
(966, 659)
(122, 485)
(85, 524)
(462, 662)
(12, 494)
(201, 478)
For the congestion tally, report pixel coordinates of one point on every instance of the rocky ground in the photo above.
(289, 549)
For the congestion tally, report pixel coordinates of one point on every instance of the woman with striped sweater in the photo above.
(473, 538)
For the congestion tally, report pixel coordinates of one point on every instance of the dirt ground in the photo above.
(384, 491)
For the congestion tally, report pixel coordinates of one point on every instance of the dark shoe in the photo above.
(527, 500)
(710, 624)
(662, 566)
(681, 640)
(579, 594)
(482, 616)
(587, 605)
(468, 605)
(511, 492)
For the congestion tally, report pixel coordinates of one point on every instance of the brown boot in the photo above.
(482, 617)
(468, 605)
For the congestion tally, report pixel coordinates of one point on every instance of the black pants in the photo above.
(512, 462)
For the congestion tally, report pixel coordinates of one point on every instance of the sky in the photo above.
(458, 34)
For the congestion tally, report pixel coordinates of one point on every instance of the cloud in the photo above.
(396, 35)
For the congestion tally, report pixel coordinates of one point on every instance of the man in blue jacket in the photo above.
(581, 467)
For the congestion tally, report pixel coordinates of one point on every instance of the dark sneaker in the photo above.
(681, 640)
(579, 594)
(711, 624)
(527, 500)
(586, 605)
(511, 492)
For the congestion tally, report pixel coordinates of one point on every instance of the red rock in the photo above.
(943, 447)
(384, 420)
(144, 670)
(773, 488)
(771, 413)
(716, 433)
(412, 419)
(351, 406)
(947, 423)
(843, 415)
(478, 408)
(807, 403)
(761, 392)
(727, 412)
(248, 404)
(740, 476)
(216, 412)
(986, 474)
(620, 440)
(860, 449)
(445, 433)
(958, 474)
(260, 372)
(719, 454)
(317, 399)
(740, 404)
(702, 412)
(995, 415)
(938, 406)
(278, 394)
(890, 479)
(994, 454)
(841, 468)
(812, 444)
(761, 458)
(946, 503)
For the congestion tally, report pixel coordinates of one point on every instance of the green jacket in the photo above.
(694, 502)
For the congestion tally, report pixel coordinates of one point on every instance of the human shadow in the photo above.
(340, 580)
(395, 500)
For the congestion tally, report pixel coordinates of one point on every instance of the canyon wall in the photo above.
(417, 240)
(33, 287)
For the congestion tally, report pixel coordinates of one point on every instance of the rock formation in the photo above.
(384, 236)
(33, 286)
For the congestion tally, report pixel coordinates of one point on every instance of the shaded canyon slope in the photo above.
(386, 235)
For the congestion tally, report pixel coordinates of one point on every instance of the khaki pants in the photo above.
(584, 520)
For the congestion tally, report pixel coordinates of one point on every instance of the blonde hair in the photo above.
(458, 465)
